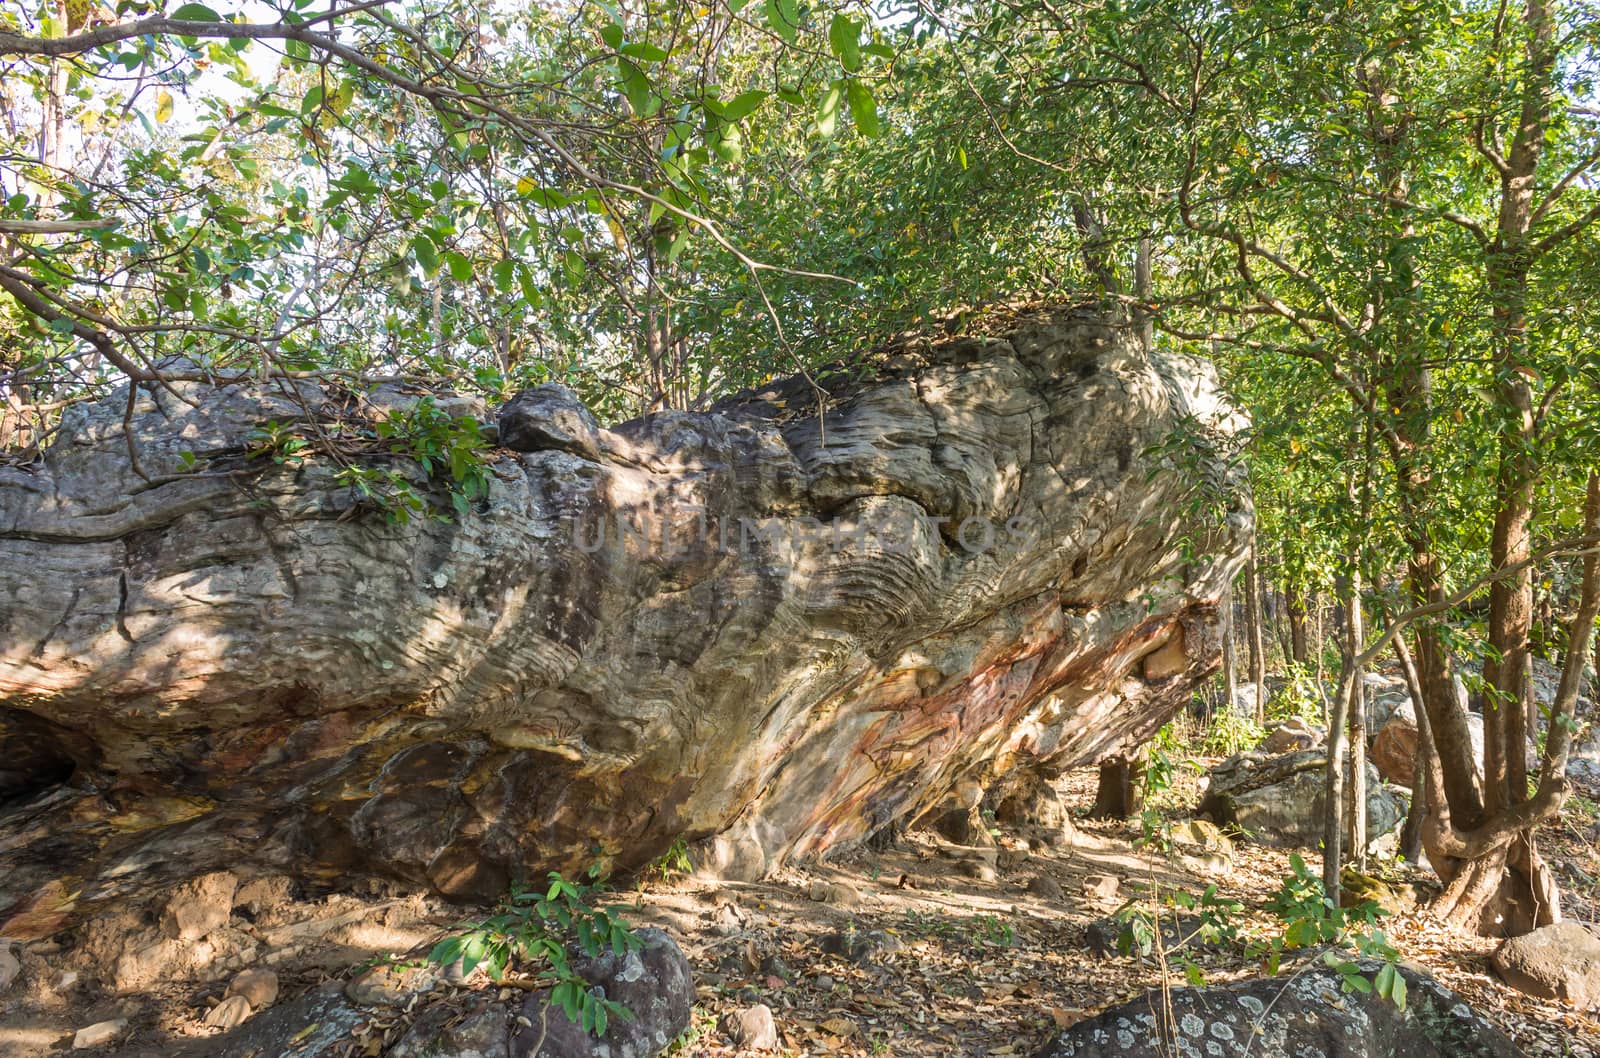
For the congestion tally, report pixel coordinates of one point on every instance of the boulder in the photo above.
(1247, 698)
(1290, 736)
(1394, 750)
(1306, 1013)
(1384, 707)
(549, 418)
(768, 632)
(1280, 800)
(1561, 961)
(653, 982)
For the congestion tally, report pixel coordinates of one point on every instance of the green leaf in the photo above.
(783, 18)
(828, 109)
(427, 255)
(863, 109)
(636, 87)
(195, 13)
(645, 52)
(743, 104)
(612, 35)
(844, 37)
(505, 275)
(1397, 993)
(460, 266)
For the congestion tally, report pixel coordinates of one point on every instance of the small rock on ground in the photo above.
(99, 1034)
(229, 1014)
(751, 1028)
(1101, 888)
(258, 987)
(1307, 1014)
(1045, 887)
(654, 983)
(389, 985)
(860, 946)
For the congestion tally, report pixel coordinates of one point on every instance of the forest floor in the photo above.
(970, 953)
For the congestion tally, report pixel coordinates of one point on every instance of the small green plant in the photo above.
(928, 924)
(536, 927)
(447, 448)
(1311, 918)
(994, 930)
(441, 444)
(1211, 921)
(1229, 733)
(672, 863)
(278, 441)
(1300, 698)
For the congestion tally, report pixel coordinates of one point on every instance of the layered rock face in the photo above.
(777, 631)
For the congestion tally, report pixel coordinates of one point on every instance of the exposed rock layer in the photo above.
(747, 624)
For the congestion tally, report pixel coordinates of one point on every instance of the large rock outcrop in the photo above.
(1280, 800)
(751, 625)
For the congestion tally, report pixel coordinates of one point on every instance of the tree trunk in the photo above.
(1358, 728)
(1333, 820)
(1507, 889)
(1254, 638)
(1120, 793)
(1142, 291)
(1295, 610)
(1230, 670)
(1411, 833)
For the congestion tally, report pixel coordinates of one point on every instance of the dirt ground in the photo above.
(975, 955)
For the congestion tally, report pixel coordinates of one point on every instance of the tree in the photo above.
(421, 189)
(1381, 225)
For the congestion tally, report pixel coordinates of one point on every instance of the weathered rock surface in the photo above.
(1279, 800)
(1306, 1014)
(441, 1033)
(1561, 961)
(749, 625)
(654, 983)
